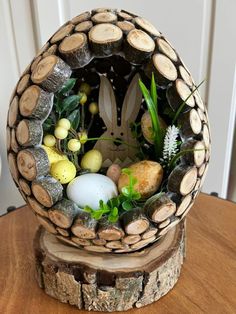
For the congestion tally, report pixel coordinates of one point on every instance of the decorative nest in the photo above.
(108, 138)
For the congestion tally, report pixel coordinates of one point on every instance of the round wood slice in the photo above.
(75, 50)
(160, 208)
(125, 26)
(35, 63)
(105, 39)
(23, 84)
(123, 16)
(24, 186)
(108, 282)
(199, 101)
(8, 138)
(13, 113)
(84, 27)
(46, 224)
(195, 152)
(84, 227)
(43, 49)
(191, 124)
(186, 76)
(51, 51)
(165, 48)
(81, 17)
(36, 207)
(14, 145)
(135, 222)
(206, 135)
(178, 93)
(29, 132)
(62, 33)
(146, 26)
(104, 17)
(63, 232)
(184, 204)
(13, 167)
(131, 239)
(138, 46)
(51, 73)
(63, 213)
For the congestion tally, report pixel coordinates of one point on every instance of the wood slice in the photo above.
(131, 239)
(63, 213)
(35, 103)
(42, 50)
(36, 207)
(135, 221)
(108, 282)
(51, 51)
(164, 223)
(35, 63)
(182, 179)
(160, 208)
(173, 223)
(84, 27)
(84, 227)
(62, 33)
(13, 167)
(125, 26)
(13, 113)
(190, 123)
(47, 191)
(116, 245)
(138, 46)
(46, 224)
(149, 233)
(123, 16)
(196, 153)
(29, 132)
(178, 93)
(14, 145)
(101, 10)
(163, 68)
(74, 49)
(51, 73)
(32, 163)
(81, 17)
(186, 76)
(99, 242)
(206, 135)
(8, 138)
(165, 48)
(185, 202)
(146, 26)
(105, 39)
(63, 232)
(23, 84)
(24, 186)
(201, 170)
(109, 231)
(199, 101)
(104, 17)
(81, 242)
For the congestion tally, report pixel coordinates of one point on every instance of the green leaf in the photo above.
(70, 103)
(127, 205)
(126, 171)
(67, 87)
(136, 196)
(125, 191)
(88, 209)
(114, 202)
(74, 119)
(153, 90)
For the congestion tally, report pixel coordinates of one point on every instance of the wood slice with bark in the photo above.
(142, 243)
(84, 227)
(165, 48)
(14, 145)
(74, 49)
(47, 225)
(123, 16)
(163, 69)
(101, 10)
(51, 73)
(185, 202)
(8, 138)
(173, 223)
(35, 63)
(13, 113)
(63, 232)
(191, 124)
(99, 241)
(131, 239)
(179, 92)
(81, 17)
(23, 84)
(36, 207)
(206, 135)
(186, 76)
(116, 245)
(13, 166)
(108, 282)
(135, 221)
(81, 242)
(105, 39)
(32, 163)
(149, 233)
(51, 51)
(138, 46)
(164, 223)
(182, 179)
(109, 231)
(29, 132)
(24, 186)
(125, 26)
(35, 103)
(201, 170)
(47, 190)
(104, 17)
(62, 33)
(63, 213)
(198, 100)
(159, 208)
(84, 27)
(42, 49)
(194, 152)
(146, 26)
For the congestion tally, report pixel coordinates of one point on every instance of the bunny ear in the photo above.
(107, 103)
(132, 101)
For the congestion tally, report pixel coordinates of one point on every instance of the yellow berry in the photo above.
(92, 160)
(60, 133)
(83, 98)
(83, 137)
(85, 88)
(64, 123)
(74, 145)
(64, 171)
(49, 140)
(93, 108)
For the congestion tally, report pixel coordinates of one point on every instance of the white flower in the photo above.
(170, 143)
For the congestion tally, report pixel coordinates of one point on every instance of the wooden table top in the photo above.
(207, 283)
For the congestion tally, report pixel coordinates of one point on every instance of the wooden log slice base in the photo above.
(108, 282)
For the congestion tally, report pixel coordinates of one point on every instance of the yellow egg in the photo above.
(53, 154)
(92, 160)
(64, 171)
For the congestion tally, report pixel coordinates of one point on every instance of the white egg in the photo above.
(89, 189)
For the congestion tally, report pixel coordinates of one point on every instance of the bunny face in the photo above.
(125, 146)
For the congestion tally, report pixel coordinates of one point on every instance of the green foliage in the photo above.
(74, 118)
(67, 87)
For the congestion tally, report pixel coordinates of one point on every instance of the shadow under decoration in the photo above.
(108, 142)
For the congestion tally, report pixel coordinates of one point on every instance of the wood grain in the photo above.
(207, 283)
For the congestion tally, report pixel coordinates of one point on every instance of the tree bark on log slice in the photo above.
(163, 68)
(123, 16)
(135, 222)
(125, 26)
(62, 33)
(146, 26)
(81, 18)
(84, 27)
(104, 17)
(108, 282)
(47, 191)
(33, 162)
(75, 50)
(160, 208)
(35, 103)
(46, 224)
(29, 132)
(186, 76)
(24, 186)
(51, 73)
(165, 48)
(179, 92)
(185, 202)
(84, 227)
(195, 152)
(63, 213)
(138, 46)
(14, 145)
(109, 231)
(13, 167)
(23, 84)
(8, 138)
(51, 51)
(13, 113)
(191, 124)
(105, 39)
(36, 207)
(182, 179)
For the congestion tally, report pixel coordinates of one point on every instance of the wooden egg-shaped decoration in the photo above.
(83, 93)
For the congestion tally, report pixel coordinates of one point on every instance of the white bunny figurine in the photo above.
(114, 151)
